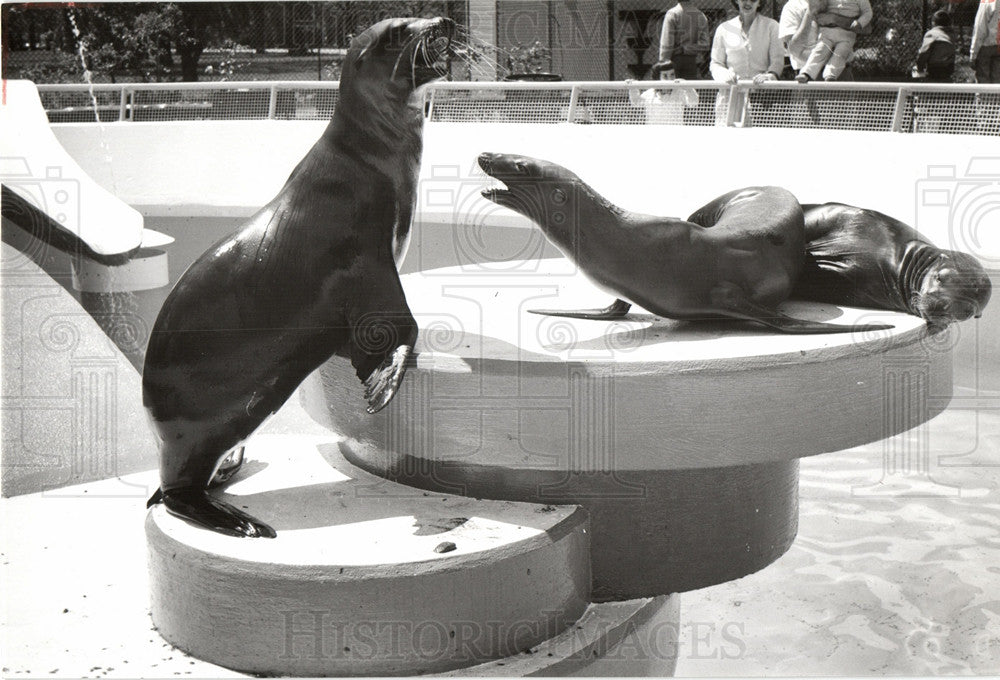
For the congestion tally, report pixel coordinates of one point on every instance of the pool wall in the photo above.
(947, 186)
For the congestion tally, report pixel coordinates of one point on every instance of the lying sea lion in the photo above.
(863, 258)
(737, 257)
(312, 274)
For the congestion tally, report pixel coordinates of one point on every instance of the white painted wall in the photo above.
(948, 186)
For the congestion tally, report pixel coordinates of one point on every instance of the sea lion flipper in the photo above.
(229, 466)
(382, 340)
(788, 324)
(381, 385)
(729, 297)
(197, 506)
(616, 310)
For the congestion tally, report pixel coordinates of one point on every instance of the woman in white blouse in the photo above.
(745, 47)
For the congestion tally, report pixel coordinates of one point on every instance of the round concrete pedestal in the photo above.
(366, 577)
(681, 439)
(637, 638)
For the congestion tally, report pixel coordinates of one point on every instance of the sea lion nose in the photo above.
(446, 25)
(486, 160)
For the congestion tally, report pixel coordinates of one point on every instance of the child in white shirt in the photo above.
(664, 106)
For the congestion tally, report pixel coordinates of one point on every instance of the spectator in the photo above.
(745, 47)
(684, 40)
(984, 51)
(664, 106)
(835, 43)
(936, 57)
(799, 31)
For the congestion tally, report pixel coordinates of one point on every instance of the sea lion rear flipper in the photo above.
(382, 338)
(732, 301)
(197, 506)
(616, 310)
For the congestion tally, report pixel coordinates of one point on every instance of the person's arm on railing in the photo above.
(719, 67)
(776, 56)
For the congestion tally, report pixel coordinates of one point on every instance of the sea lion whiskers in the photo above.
(858, 256)
(476, 54)
(918, 260)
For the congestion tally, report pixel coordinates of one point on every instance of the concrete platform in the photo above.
(681, 439)
(872, 586)
(77, 585)
(365, 577)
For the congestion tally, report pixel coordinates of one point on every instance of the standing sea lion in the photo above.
(312, 274)
(737, 257)
(863, 258)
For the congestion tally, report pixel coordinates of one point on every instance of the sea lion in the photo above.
(311, 275)
(864, 258)
(737, 257)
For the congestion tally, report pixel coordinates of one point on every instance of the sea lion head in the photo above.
(955, 287)
(540, 190)
(399, 54)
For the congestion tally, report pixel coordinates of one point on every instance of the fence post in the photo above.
(734, 92)
(897, 114)
(429, 102)
(272, 103)
(574, 96)
(122, 104)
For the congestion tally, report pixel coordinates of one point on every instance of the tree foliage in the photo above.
(134, 39)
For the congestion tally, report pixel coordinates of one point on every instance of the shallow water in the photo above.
(876, 582)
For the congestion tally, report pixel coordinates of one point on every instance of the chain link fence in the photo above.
(932, 108)
(248, 41)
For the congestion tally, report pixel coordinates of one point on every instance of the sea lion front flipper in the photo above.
(616, 310)
(788, 324)
(381, 385)
(732, 301)
(383, 334)
(197, 506)
(229, 466)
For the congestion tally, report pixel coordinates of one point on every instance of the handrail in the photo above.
(734, 115)
(201, 85)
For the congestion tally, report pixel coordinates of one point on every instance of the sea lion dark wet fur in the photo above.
(864, 258)
(737, 257)
(312, 274)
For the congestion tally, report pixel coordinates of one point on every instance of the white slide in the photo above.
(46, 190)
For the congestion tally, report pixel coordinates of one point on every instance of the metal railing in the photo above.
(889, 107)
